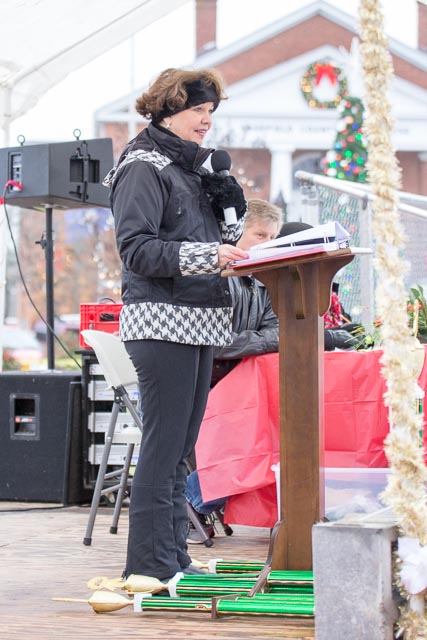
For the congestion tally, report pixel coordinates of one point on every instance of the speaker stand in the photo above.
(46, 244)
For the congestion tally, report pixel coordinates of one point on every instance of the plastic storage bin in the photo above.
(348, 490)
(354, 490)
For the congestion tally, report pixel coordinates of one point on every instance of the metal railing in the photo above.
(324, 199)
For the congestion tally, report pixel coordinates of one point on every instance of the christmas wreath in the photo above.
(312, 77)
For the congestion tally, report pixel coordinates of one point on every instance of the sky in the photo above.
(72, 103)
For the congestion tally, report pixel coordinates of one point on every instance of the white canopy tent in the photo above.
(42, 41)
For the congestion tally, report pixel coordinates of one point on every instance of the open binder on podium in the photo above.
(330, 236)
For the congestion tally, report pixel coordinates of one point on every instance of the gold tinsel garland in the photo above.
(405, 492)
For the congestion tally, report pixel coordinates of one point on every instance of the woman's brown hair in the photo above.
(169, 93)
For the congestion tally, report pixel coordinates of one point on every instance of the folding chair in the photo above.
(119, 373)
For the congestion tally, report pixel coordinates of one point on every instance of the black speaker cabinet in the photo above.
(60, 175)
(41, 458)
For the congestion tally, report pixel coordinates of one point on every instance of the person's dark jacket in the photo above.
(255, 328)
(158, 204)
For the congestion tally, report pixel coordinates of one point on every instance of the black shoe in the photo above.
(191, 570)
(193, 536)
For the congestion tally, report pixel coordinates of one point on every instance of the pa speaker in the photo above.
(61, 175)
(41, 457)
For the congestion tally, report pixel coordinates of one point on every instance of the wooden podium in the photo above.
(300, 290)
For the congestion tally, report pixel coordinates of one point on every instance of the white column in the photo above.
(281, 172)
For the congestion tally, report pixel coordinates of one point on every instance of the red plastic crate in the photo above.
(100, 316)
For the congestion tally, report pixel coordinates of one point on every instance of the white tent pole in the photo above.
(6, 94)
(7, 115)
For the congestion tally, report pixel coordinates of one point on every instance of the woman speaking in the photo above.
(169, 220)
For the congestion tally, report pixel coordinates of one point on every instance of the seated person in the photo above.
(334, 317)
(340, 331)
(255, 328)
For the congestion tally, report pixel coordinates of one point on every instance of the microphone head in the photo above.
(220, 160)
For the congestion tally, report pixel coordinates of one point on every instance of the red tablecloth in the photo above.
(239, 436)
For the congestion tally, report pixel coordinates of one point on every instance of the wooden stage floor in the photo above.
(42, 556)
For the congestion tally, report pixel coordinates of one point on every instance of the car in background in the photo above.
(66, 325)
(21, 349)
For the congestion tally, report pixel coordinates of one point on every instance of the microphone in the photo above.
(221, 163)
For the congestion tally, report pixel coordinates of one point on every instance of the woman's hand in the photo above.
(227, 253)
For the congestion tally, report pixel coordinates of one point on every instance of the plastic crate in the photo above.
(348, 490)
(99, 316)
(354, 490)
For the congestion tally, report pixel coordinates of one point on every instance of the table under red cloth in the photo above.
(239, 437)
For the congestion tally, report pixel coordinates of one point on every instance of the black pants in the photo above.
(174, 384)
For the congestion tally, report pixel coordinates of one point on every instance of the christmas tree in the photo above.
(347, 160)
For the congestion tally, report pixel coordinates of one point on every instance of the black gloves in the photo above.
(351, 335)
(224, 192)
(354, 328)
(339, 339)
(364, 340)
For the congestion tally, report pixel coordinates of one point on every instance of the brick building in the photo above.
(267, 124)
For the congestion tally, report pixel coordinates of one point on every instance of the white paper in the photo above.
(330, 232)
(330, 236)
